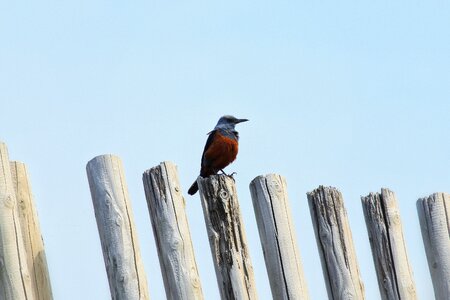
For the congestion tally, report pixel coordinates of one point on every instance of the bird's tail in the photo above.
(193, 189)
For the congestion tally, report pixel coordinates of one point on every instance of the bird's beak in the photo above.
(241, 120)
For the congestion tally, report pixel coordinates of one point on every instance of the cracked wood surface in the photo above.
(126, 276)
(227, 238)
(170, 225)
(434, 214)
(15, 281)
(384, 227)
(278, 238)
(31, 233)
(335, 245)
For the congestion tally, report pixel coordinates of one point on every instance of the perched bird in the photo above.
(220, 150)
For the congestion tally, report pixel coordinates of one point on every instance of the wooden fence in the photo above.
(24, 273)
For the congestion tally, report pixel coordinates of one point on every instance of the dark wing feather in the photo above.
(209, 141)
(194, 187)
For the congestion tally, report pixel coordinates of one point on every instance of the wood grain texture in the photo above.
(394, 272)
(434, 214)
(227, 238)
(170, 225)
(278, 238)
(31, 233)
(334, 241)
(115, 224)
(15, 281)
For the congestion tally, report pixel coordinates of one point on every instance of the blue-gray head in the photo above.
(228, 122)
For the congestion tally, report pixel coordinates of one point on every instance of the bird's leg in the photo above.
(229, 175)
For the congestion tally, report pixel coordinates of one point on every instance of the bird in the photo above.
(220, 150)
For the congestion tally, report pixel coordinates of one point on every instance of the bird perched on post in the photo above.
(220, 150)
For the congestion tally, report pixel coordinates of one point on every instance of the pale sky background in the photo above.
(352, 95)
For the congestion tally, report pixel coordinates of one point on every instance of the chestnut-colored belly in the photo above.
(222, 151)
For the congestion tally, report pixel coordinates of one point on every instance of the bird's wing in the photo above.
(208, 160)
(209, 141)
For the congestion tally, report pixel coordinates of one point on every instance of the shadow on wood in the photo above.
(384, 227)
(227, 238)
(278, 238)
(171, 231)
(116, 228)
(334, 241)
(434, 214)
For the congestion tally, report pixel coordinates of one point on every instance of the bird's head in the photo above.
(228, 122)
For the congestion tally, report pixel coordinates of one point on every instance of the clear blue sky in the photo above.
(353, 95)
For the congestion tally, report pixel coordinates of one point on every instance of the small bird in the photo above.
(220, 150)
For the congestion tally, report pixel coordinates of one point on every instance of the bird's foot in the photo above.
(229, 175)
(232, 175)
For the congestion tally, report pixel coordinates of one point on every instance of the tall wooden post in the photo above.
(115, 223)
(15, 282)
(434, 216)
(170, 225)
(227, 238)
(334, 240)
(31, 233)
(394, 273)
(278, 239)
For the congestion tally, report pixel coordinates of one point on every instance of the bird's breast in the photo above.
(222, 151)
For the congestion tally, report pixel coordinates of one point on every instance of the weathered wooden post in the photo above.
(115, 223)
(227, 238)
(394, 273)
(31, 233)
(278, 240)
(434, 216)
(170, 225)
(334, 240)
(15, 282)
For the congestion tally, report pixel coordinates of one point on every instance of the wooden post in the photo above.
(394, 273)
(334, 240)
(434, 216)
(227, 238)
(115, 223)
(170, 225)
(15, 282)
(31, 233)
(278, 239)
